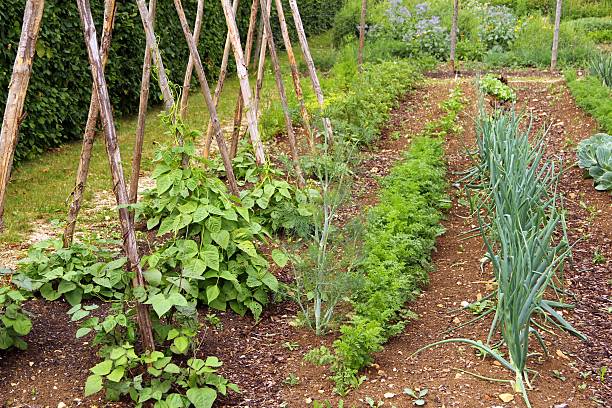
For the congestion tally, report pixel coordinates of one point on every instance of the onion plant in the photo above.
(522, 223)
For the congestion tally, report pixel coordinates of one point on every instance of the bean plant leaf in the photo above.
(222, 238)
(280, 257)
(202, 397)
(93, 385)
(212, 292)
(103, 368)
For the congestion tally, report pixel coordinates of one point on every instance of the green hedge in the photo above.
(60, 89)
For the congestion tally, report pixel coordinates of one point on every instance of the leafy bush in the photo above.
(14, 322)
(498, 28)
(212, 238)
(81, 271)
(571, 9)
(595, 156)
(57, 105)
(598, 29)
(591, 95)
(491, 85)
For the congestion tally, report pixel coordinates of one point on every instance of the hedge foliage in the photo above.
(60, 88)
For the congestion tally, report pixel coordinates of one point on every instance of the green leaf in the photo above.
(83, 331)
(222, 238)
(181, 343)
(212, 292)
(210, 255)
(213, 224)
(244, 212)
(160, 303)
(270, 281)
(93, 385)
(22, 326)
(48, 292)
(248, 247)
(117, 374)
(153, 276)
(102, 368)
(163, 183)
(202, 397)
(172, 368)
(280, 257)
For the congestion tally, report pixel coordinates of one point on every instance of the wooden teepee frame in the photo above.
(100, 106)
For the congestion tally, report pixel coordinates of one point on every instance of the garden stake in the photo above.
(453, 35)
(220, 83)
(555, 44)
(261, 63)
(283, 97)
(110, 10)
(114, 157)
(364, 6)
(16, 94)
(238, 110)
(312, 71)
(295, 73)
(231, 179)
(197, 26)
(243, 76)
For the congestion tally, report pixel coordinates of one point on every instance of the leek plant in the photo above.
(521, 221)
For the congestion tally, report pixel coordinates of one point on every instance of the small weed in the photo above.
(372, 403)
(558, 375)
(292, 380)
(584, 374)
(598, 257)
(214, 321)
(602, 374)
(291, 346)
(319, 356)
(582, 386)
(418, 395)
(395, 135)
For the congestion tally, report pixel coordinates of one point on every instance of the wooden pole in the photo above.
(18, 87)
(283, 96)
(261, 61)
(114, 157)
(555, 44)
(243, 77)
(110, 10)
(151, 51)
(212, 110)
(249, 48)
(453, 35)
(295, 73)
(220, 83)
(364, 6)
(197, 26)
(312, 71)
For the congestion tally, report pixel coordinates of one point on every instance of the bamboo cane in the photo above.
(114, 157)
(18, 87)
(312, 71)
(364, 6)
(220, 83)
(244, 82)
(295, 73)
(110, 10)
(283, 96)
(212, 110)
(197, 26)
(238, 110)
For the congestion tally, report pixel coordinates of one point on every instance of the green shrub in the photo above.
(346, 22)
(601, 66)
(598, 29)
(594, 97)
(532, 46)
(58, 96)
(571, 9)
(491, 85)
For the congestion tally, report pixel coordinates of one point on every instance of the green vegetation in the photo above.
(601, 66)
(595, 156)
(14, 322)
(592, 96)
(491, 85)
(400, 234)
